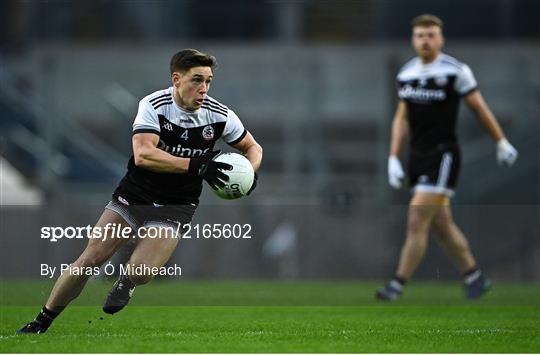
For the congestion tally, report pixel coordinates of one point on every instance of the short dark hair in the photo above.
(427, 20)
(189, 58)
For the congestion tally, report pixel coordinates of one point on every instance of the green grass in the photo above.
(255, 316)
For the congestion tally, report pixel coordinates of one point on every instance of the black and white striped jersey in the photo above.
(432, 93)
(181, 133)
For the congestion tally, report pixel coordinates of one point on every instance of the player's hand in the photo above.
(255, 178)
(506, 153)
(210, 170)
(395, 172)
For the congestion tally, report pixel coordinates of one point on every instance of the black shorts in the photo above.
(435, 170)
(137, 215)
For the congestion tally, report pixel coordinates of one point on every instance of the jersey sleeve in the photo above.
(234, 130)
(397, 85)
(147, 120)
(465, 81)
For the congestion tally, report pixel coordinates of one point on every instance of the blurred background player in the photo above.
(174, 134)
(430, 87)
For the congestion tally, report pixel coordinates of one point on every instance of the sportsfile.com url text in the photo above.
(114, 230)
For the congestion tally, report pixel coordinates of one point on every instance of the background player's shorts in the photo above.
(436, 170)
(152, 215)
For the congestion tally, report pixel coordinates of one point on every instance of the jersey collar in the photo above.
(434, 62)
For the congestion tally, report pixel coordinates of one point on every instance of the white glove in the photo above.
(506, 153)
(395, 172)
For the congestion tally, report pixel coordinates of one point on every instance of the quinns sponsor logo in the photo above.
(208, 133)
(419, 94)
(180, 151)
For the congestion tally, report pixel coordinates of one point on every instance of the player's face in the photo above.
(192, 86)
(427, 42)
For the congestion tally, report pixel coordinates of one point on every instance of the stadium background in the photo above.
(313, 81)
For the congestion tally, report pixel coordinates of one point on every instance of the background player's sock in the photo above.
(401, 281)
(472, 275)
(392, 290)
(396, 285)
(476, 284)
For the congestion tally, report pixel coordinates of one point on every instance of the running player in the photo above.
(174, 134)
(430, 88)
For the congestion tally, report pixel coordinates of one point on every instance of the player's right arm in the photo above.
(400, 132)
(400, 129)
(148, 156)
(146, 130)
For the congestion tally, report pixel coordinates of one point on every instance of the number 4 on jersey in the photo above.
(185, 135)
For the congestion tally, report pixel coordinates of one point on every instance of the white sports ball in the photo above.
(240, 177)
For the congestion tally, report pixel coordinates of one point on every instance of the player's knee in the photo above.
(417, 223)
(443, 230)
(442, 226)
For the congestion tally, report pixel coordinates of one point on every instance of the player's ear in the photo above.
(175, 77)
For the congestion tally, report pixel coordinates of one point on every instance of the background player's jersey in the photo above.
(432, 93)
(181, 133)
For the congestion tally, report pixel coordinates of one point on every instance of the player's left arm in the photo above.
(251, 150)
(466, 86)
(506, 153)
(478, 105)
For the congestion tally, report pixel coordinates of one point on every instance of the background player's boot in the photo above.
(119, 295)
(391, 292)
(34, 327)
(477, 287)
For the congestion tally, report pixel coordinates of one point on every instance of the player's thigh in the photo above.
(104, 241)
(423, 207)
(155, 247)
(429, 199)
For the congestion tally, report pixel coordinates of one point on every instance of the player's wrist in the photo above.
(193, 165)
(183, 165)
(503, 142)
(198, 166)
